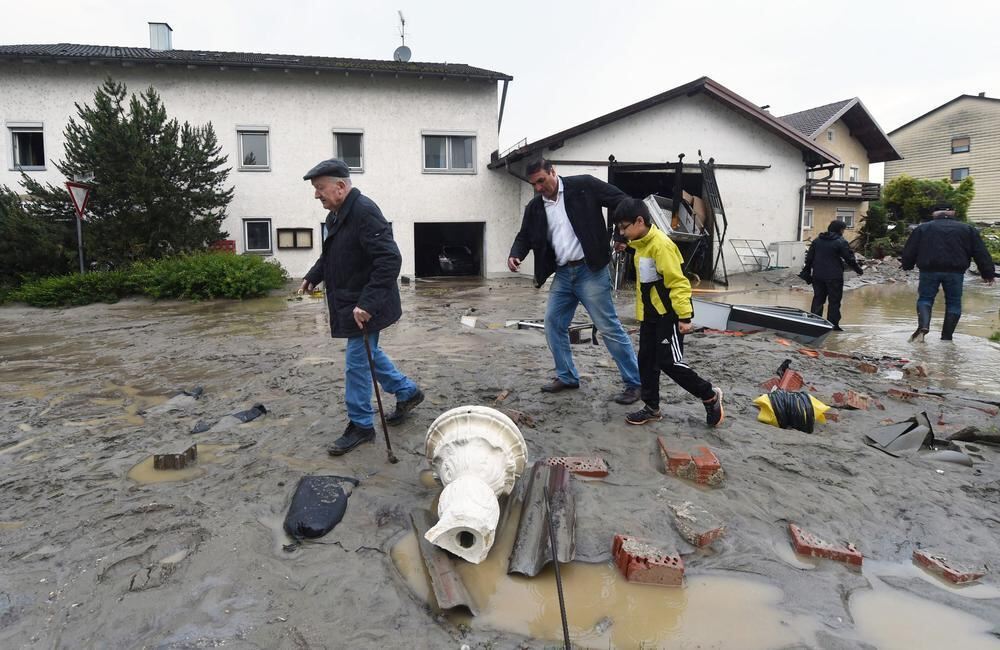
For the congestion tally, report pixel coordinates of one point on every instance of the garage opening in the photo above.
(448, 249)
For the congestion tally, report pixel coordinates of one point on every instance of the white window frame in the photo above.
(270, 236)
(854, 174)
(838, 174)
(968, 173)
(807, 219)
(350, 131)
(843, 217)
(25, 127)
(448, 169)
(255, 130)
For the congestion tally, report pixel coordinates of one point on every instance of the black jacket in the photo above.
(828, 256)
(359, 265)
(947, 245)
(584, 196)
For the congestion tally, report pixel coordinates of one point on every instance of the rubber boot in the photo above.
(950, 323)
(923, 323)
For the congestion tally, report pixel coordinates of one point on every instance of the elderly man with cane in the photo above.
(359, 264)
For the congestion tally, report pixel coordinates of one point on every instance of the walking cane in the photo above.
(378, 396)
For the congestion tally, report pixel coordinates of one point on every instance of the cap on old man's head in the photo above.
(332, 167)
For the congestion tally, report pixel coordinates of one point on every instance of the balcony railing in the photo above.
(844, 190)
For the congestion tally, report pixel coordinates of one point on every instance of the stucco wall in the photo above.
(301, 109)
(851, 152)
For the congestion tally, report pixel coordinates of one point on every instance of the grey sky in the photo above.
(572, 61)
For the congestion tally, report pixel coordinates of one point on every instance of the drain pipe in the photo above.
(503, 100)
(802, 209)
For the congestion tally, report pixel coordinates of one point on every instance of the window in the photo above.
(450, 153)
(846, 215)
(829, 135)
(838, 174)
(348, 145)
(960, 145)
(255, 150)
(855, 174)
(959, 174)
(807, 219)
(257, 236)
(28, 146)
(295, 238)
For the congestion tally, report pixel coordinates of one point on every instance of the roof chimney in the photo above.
(982, 94)
(159, 36)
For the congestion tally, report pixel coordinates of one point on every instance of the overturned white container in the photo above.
(478, 453)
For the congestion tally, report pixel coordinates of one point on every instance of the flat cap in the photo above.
(943, 205)
(332, 167)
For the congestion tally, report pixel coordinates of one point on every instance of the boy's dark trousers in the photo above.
(661, 347)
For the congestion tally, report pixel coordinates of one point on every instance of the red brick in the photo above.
(769, 384)
(782, 341)
(836, 355)
(808, 544)
(695, 524)
(702, 467)
(672, 458)
(593, 467)
(647, 562)
(937, 563)
(870, 368)
(851, 400)
(791, 381)
(809, 352)
(832, 417)
(905, 395)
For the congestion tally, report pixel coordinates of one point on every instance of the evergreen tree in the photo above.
(158, 185)
(32, 246)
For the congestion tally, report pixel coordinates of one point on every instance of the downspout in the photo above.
(503, 101)
(802, 208)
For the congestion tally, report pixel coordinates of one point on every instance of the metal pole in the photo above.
(555, 565)
(79, 240)
(378, 396)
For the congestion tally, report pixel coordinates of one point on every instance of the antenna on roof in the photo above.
(402, 52)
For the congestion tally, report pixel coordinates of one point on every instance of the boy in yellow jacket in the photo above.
(664, 310)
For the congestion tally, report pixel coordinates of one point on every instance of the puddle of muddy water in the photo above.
(878, 320)
(144, 474)
(605, 611)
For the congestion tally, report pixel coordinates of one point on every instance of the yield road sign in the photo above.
(79, 193)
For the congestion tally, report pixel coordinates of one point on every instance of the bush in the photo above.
(991, 237)
(195, 277)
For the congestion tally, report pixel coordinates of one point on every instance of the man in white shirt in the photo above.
(564, 225)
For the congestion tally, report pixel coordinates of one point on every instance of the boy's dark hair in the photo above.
(536, 165)
(630, 209)
(837, 227)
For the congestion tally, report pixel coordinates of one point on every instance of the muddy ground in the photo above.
(93, 558)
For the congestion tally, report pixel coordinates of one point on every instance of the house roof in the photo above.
(138, 55)
(812, 153)
(949, 103)
(813, 121)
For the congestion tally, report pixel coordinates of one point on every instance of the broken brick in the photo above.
(791, 381)
(836, 355)
(176, 461)
(938, 564)
(869, 368)
(647, 562)
(593, 467)
(782, 341)
(695, 524)
(809, 352)
(831, 416)
(808, 544)
(851, 400)
(905, 395)
(702, 467)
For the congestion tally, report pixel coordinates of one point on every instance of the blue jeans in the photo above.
(952, 283)
(358, 380)
(574, 285)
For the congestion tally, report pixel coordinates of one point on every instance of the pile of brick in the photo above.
(702, 467)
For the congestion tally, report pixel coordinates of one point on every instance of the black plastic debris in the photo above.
(201, 427)
(916, 434)
(195, 392)
(251, 413)
(318, 505)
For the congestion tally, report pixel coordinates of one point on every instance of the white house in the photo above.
(419, 136)
(761, 163)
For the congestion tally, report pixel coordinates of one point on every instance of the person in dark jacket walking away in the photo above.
(664, 309)
(942, 249)
(359, 264)
(565, 228)
(826, 258)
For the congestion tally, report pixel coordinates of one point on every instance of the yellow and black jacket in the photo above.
(661, 288)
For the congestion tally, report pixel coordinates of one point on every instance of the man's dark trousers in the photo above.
(832, 290)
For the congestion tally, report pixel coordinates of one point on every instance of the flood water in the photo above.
(879, 319)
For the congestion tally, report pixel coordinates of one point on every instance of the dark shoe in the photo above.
(404, 407)
(838, 328)
(950, 323)
(557, 387)
(714, 413)
(644, 415)
(923, 324)
(628, 396)
(353, 436)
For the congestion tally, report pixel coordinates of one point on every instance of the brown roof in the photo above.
(812, 153)
(71, 51)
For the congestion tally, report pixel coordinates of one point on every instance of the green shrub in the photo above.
(991, 237)
(195, 277)
(995, 337)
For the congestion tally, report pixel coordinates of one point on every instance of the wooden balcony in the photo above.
(853, 190)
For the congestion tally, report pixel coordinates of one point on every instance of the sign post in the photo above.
(79, 193)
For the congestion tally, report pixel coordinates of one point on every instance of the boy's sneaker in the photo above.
(714, 414)
(643, 415)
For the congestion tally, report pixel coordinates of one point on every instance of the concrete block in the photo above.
(647, 562)
(593, 467)
(806, 543)
(697, 525)
(937, 563)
